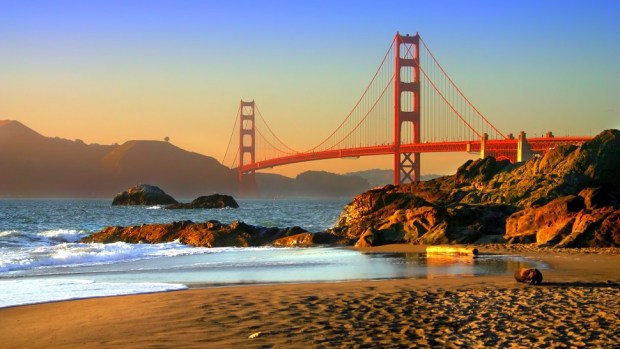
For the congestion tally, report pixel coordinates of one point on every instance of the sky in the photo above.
(111, 71)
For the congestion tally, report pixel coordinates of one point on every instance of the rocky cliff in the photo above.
(569, 197)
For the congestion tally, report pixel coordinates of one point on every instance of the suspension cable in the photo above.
(458, 90)
(232, 134)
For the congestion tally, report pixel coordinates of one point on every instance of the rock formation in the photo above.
(143, 194)
(569, 197)
(212, 234)
(207, 202)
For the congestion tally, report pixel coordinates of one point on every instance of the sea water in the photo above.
(42, 260)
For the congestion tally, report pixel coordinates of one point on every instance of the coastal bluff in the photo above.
(570, 197)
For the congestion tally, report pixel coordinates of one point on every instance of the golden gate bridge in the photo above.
(411, 106)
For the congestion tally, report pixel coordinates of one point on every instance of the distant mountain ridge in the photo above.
(380, 177)
(32, 165)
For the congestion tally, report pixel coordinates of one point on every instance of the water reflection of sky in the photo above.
(420, 265)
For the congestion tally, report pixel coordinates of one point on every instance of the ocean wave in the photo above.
(49, 237)
(9, 233)
(63, 235)
(78, 254)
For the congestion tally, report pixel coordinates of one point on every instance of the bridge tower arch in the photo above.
(247, 148)
(406, 106)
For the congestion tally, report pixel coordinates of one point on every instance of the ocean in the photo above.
(41, 259)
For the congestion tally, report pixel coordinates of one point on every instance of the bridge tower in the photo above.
(247, 147)
(406, 106)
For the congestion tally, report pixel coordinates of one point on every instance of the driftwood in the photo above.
(453, 250)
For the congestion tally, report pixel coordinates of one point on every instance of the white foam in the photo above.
(64, 235)
(31, 291)
(8, 233)
(156, 207)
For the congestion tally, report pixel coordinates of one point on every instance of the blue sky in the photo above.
(110, 71)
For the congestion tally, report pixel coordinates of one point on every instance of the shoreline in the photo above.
(577, 303)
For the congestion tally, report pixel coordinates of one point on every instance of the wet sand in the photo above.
(578, 306)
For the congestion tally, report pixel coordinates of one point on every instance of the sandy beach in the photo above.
(577, 306)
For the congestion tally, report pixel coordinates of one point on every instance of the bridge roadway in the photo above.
(498, 148)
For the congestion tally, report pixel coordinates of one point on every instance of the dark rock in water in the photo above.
(207, 202)
(214, 234)
(143, 194)
(531, 276)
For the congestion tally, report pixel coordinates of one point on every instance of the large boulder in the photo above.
(207, 202)
(143, 194)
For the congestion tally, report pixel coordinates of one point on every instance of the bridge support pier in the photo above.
(247, 148)
(524, 150)
(483, 145)
(406, 106)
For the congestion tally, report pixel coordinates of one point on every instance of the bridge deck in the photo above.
(505, 148)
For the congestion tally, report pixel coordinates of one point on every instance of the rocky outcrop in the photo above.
(143, 194)
(567, 198)
(207, 202)
(211, 234)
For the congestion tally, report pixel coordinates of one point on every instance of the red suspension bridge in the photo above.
(411, 106)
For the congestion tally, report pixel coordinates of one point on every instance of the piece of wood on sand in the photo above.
(452, 250)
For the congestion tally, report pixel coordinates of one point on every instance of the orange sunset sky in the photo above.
(111, 71)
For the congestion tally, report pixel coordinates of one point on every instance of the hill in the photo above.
(32, 165)
(310, 184)
(182, 173)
